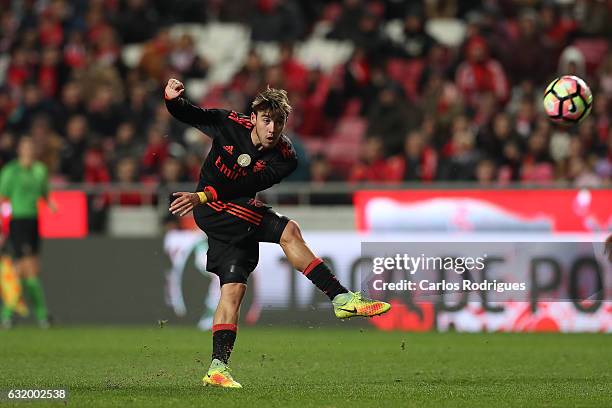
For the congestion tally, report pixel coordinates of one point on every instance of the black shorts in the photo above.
(24, 237)
(234, 229)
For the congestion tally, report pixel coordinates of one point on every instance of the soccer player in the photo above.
(23, 182)
(249, 154)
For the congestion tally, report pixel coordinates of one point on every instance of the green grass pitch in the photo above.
(316, 367)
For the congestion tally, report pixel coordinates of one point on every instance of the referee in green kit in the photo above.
(23, 182)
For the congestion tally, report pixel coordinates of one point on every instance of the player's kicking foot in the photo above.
(353, 304)
(219, 376)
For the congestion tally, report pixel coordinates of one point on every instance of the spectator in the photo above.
(250, 73)
(572, 62)
(154, 56)
(592, 145)
(137, 21)
(32, 105)
(273, 76)
(156, 151)
(6, 107)
(321, 170)
(510, 169)
(71, 104)
(357, 80)
(50, 30)
(138, 107)
(556, 28)
(294, 72)
(275, 19)
(480, 74)
(9, 26)
(373, 167)
(185, 60)
(414, 41)
(523, 91)
(103, 112)
(603, 165)
(486, 172)
(441, 99)
(460, 163)
(126, 176)
(391, 116)
(524, 120)
(605, 76)
(47, 143)
(593, 17)
(72, 155)
(528, 57)
(125, 144)
(601, 117)
(193, 163)
(582, 175)
(75, 51)
(417, 163)
(370, 38)
(172, 172)
(49, 73)
(7, 147)
(313, 120)
(537, 166)
(493, 138)
(346, 26)
(106, 48)
(96, 171)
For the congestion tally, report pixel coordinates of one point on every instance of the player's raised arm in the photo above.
(186, 112)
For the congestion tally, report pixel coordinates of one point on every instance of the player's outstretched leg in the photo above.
(346, 304)
(224, 335)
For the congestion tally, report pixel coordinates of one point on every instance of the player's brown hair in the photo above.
(274, 101)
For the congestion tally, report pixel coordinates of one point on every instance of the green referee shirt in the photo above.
(23, 186)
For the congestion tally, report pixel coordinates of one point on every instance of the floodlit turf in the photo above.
(318, 367)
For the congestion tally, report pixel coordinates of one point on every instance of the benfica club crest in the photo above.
(244, 160)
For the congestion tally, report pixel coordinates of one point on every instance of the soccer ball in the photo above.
(568, 100)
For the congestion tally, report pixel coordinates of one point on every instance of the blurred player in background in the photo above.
(10, 287)
(182, 246)
(23, 182)
(249, 154)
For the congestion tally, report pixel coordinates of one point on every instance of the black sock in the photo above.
(224, 336)
(320, 274)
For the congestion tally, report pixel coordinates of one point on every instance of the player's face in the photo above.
(26, 151)
(267, 129)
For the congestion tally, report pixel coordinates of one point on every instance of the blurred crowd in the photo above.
(410, 104)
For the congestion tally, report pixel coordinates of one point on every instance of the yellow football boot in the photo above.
(354, 304)
(219, 376)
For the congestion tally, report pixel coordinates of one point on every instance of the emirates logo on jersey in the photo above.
(259, 166)
(229, 149)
